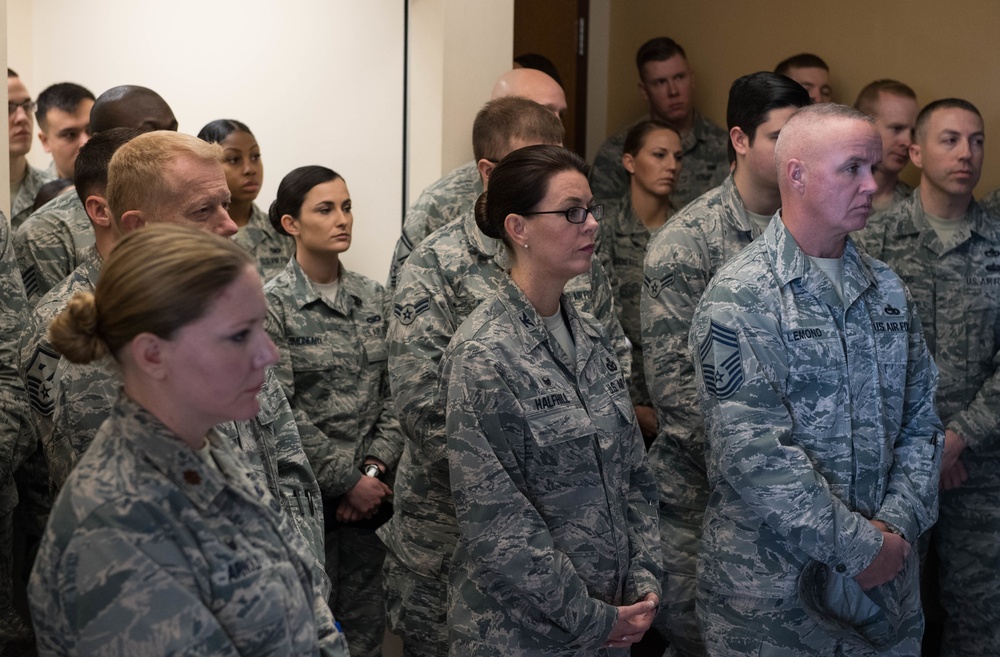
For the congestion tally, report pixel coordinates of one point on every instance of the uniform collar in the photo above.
(305, 292)
(483, 245)
(736, 209)
(908, 219)
(791, 263)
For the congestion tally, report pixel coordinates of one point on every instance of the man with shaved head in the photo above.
(51, 243)
(456, 192)
(823, 445)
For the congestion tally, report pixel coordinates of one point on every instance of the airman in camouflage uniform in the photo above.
(270, 249)
(955, 286)
(333, 370)
(555, 502)
(174, 556)
(682, 258)
(705, 164)
(17, 437)
(21, 204)
(51, 243)
(71, 404)
(822, 439)
(893, 105)
(443, 281)
(444, 201)
(453, 195)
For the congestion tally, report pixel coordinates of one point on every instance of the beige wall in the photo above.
(939, 48)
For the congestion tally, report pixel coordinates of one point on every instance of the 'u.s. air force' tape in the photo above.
(721, 361)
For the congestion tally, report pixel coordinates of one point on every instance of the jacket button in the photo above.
(841, 568)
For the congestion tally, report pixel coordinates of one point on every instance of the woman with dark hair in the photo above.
(244, 176)
(329, 327)
(652, 158)
(163, 541)
(559, 548)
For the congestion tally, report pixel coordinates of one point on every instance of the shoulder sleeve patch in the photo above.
(41, 369)
(721, 361)
(408, 312)
(654, 285)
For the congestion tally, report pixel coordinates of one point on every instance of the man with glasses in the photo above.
(25, 180)
(666, 83)
(441, 283)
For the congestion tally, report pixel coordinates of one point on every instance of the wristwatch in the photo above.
(372, 470)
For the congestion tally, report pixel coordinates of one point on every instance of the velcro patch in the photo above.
(407, 313)
(721, 361)
(654, 285)
(41, 369)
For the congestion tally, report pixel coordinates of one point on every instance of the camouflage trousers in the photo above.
(16, 637)
(354, 565)
(743, 626)
(677, 621)
(967, 538)
(416, 610)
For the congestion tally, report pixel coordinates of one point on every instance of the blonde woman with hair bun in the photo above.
(162, 541)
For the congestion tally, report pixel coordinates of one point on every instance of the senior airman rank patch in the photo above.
(654, 285)
(408, 312)
(721, 361)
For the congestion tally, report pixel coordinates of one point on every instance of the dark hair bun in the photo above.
(488, 227)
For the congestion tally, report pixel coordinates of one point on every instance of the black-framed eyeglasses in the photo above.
(576, 215)
(28, 106)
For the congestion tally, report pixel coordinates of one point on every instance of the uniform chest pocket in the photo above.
(556, 417)
(813, 384)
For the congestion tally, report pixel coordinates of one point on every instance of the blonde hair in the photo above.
(136, 179)
(156, 280)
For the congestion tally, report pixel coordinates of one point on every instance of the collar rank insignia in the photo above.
(721, 361)
(407, 313)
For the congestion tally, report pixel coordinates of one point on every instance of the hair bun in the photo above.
(74, 331)
(486, 227)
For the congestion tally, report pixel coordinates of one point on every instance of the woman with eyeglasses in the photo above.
(558, 550)
(652, 158)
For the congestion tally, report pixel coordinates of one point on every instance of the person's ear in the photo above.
(290, 224)
(148, 355)
(740, 140)
(628, 162)
(517, 227)
(485, 169)
(916, 156)
(796, 174)
(131, 220)
(98, 211)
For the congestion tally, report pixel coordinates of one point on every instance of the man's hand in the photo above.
(953, 473)
(364, 497)
(632, 622)
(887, 563)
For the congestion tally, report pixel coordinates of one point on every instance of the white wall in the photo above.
(318, 81)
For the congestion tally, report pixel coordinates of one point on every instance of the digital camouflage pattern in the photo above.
(270, 249)
(333, 370)
(620, 245)
(17, 436)
(441, 203)
(956, 288)
(71, 401)
(991, 203)
(819, 416)
(705, 165)
(151, 550)
(443, 281)
(51, 243)
(555, 502)
(21, 204)
(681, 259)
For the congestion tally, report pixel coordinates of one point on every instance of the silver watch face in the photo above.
(372, 470)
